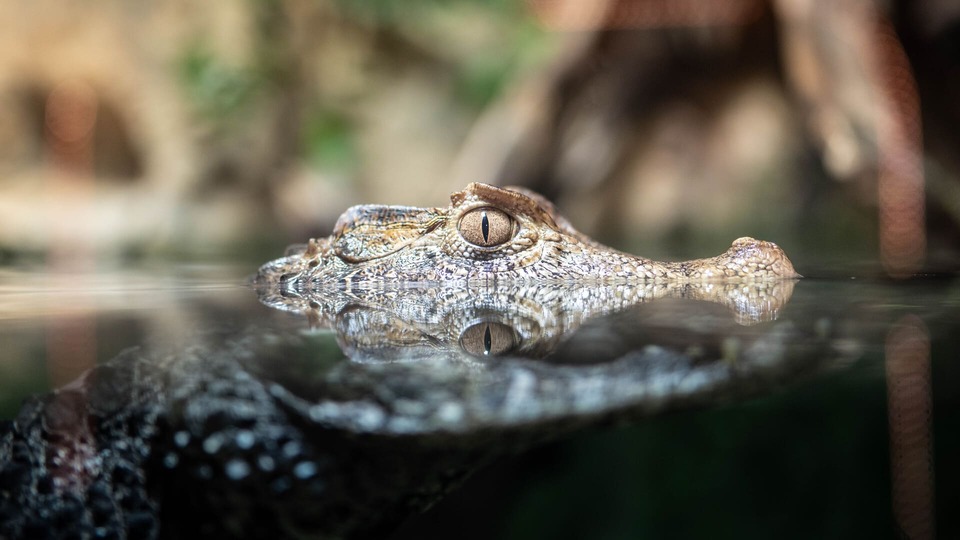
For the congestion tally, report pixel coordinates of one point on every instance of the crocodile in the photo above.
(490, 234)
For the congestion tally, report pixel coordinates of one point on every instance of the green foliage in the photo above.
(480, 80)
(216, 90)
(328, 141)
(513, 41)
(392, 11)
(485, 74)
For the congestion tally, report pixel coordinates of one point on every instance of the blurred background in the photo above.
(176, 129)
(147, 131)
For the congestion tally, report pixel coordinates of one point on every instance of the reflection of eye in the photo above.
(488, 339)
(486, 227)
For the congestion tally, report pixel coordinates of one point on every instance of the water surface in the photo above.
(814, 408)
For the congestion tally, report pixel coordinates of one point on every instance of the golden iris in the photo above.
(486, 227)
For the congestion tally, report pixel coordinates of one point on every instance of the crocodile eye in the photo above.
(486, 227)
(488, 339)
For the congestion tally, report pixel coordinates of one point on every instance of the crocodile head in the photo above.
(490, 234)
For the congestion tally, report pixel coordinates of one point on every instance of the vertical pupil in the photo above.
(487, 342)
(485, 227)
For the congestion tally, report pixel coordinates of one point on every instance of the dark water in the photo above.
(188, 405)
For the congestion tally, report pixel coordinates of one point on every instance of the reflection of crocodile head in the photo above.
(260, 429)
(377, 324)
(490, 234)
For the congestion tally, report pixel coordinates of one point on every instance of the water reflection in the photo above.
(910, 404)
(520, 320)
(470, 358)
(343, 412)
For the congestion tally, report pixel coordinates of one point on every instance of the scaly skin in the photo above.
(374, 246)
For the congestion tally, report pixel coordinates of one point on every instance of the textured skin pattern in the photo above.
(72, 463)
(375, 245)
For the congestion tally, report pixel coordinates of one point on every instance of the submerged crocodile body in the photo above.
(490, 234)
(258, 428)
